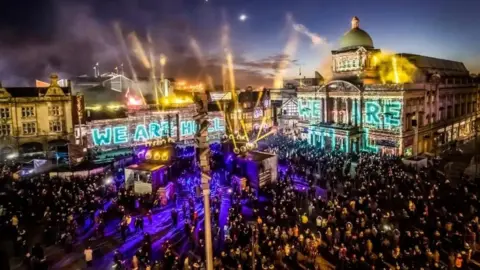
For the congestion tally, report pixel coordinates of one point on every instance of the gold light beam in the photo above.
(153, 69)
(242, 124)
(289, 50)
(261, 126)
(264, 136)
(138, 50)
(121, 39)
(393, 68)
(395, 71)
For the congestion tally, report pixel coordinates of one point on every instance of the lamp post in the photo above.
(203, 154)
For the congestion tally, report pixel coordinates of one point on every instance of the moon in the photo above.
(242, 17)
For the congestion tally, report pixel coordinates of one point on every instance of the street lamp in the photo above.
(203, 152)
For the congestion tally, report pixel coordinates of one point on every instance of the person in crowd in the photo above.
(88, 252)
(378, 214)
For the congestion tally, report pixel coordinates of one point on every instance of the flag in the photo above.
(41, 84)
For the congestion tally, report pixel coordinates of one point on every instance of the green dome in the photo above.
(356, 37)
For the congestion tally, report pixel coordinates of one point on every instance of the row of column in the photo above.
(345, 110)
(324, 139)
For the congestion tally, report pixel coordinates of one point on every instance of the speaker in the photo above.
(414, 122)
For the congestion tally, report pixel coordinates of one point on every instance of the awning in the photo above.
(58, 142)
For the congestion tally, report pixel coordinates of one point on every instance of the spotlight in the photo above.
(236, 150)
(12, 156)
(231, 137)
(230, 190)
(243, 149)
(108, 180)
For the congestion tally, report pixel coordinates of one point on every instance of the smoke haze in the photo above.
(68, 37)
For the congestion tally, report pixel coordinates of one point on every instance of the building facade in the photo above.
(401, 104)
(249, 112)
(145, 125)
(34, 119)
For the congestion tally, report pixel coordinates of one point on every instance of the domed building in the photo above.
(356, 37)
(402, 104)
(352, 60)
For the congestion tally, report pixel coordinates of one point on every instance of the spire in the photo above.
(355, 22)
(54, 80)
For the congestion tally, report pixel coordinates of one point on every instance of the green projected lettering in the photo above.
(309, 108)
(144, 132)
(383, 114)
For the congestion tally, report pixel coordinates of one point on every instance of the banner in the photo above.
(75, 154)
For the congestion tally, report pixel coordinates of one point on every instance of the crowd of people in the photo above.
(376, 213)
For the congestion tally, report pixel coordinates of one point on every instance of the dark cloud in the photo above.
(271, 62)
(69, 36)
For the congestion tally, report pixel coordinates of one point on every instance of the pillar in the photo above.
(208, 226)
(426, 105)
(177, 120)
(360, 111)
(169, 118)
(453, 106)
(324, 107)
(335, 110)
(415, 138)
(355, 111)
(340, 108)
(327, 106)
(348, 113)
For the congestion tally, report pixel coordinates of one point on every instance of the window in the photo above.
(4, 130)
(54, 110)
(29, 128)
(5, 113)
(28, 111)
(55, 126)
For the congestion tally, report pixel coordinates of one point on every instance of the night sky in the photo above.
(69, 36)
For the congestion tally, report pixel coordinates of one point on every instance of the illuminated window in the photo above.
(5, 113)
(29, 128)
(54, 110)
(28, 112)
(5, 130)
(55, 126)
(290, 108)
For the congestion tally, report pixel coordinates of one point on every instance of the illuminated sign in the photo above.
(309, 108)
(142, 132)
(389, 116)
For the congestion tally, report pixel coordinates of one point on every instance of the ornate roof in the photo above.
(356, 37)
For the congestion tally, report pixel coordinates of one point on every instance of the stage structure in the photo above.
(147, 127)
(260, 168)
(151, 173)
